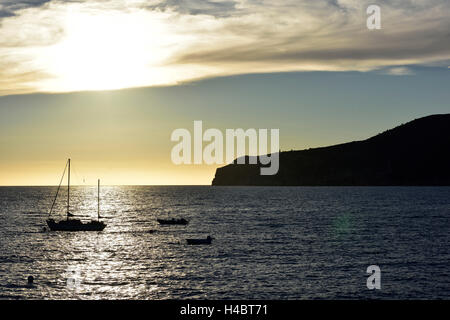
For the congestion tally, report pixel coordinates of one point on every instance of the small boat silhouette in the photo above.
(181, 221)
(199, 241)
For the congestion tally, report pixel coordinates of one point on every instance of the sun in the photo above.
(109, 50)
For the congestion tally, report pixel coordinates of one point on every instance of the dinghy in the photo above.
(199, 241)
(181, 221)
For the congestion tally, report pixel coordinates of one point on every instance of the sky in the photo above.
(105, 82)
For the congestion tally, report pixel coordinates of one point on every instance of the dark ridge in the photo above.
(415, 153)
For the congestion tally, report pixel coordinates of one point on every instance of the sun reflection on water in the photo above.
(255, 254)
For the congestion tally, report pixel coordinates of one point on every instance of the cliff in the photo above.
(415, 153)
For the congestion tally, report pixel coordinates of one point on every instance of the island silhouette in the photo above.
(413, 154)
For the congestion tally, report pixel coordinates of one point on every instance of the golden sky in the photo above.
(309, 68)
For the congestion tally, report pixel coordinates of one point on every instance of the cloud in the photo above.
(331, 32)
(9, 7)
(5, 13)
(215, 8)
(16, 76)
(78, 45)
(399, 71)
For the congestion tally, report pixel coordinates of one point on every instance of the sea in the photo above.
(287, 243)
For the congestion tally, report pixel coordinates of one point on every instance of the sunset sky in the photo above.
(105, 82)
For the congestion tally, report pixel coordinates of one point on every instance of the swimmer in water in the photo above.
(30, 282)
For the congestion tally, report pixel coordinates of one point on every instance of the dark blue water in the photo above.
(270, 243)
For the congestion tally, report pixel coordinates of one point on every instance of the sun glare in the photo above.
(109, 51)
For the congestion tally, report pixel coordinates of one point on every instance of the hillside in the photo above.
(415, 153)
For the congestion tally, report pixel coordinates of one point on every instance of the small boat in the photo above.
(71, 224)
(199, 241)
(181, 221)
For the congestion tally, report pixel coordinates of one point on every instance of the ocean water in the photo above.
(270, 243)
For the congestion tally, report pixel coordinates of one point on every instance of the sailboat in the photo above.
(71, 224)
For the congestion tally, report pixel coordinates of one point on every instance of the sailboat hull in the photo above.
(75, 225)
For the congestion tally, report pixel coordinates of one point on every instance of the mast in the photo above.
(68, 191)
(98, 201)
(57, 191)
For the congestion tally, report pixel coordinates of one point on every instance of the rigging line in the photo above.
(59, 186)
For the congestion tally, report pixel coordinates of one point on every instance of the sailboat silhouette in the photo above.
(74, 224)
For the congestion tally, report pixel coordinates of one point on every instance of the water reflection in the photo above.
(271, 243)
